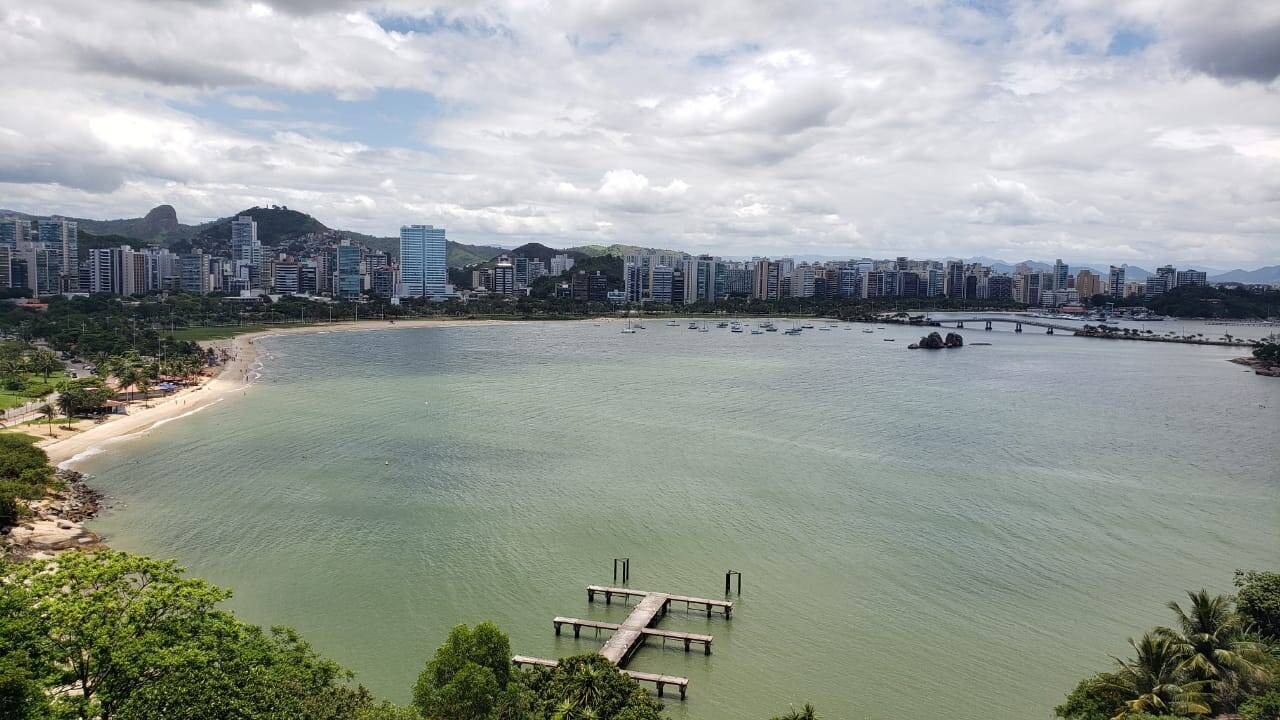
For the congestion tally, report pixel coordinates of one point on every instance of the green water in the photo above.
(921, 534)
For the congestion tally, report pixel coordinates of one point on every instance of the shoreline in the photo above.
(235, 375)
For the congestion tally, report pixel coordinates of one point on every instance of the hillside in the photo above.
(1269, 275)
(159, 225)
(618, 250)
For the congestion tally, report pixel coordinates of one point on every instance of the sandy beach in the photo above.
(235, 376)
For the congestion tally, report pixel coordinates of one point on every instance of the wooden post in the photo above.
(558, 629)
(626, 570)
(728, 575)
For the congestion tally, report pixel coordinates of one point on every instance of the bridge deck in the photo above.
(685, 637)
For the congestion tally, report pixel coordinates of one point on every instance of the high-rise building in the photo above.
(802, 279)
(348, 284)
(1115, 281)
(1169, 277)
(423, 263)
(382, 282)
(954, 279)
(504, 276)
(660, 279)
(1088, 283)
(1000, 288)
(63, 237)
(767, 281)
(287, 278)
(14, 230)
(1060, 274)
(634, 278)
(1192, 277)
(193, 274)
(521, 269)
(246, 249)
(561, 264)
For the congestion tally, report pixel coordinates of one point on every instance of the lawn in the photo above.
(214, 332)
(33, 386)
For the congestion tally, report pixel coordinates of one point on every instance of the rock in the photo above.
(63, 525)
(954, 340)
(913, 346)
(160, 220)
(932, 341)
(44, 535)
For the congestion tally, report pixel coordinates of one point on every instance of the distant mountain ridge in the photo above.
(1269, 275)
(278, 227)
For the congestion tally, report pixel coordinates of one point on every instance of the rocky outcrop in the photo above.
(56, 520)
(1259, 367)
(161, 220)
(935, 341)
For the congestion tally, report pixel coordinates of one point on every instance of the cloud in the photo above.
(1087, 129)
(253, 102)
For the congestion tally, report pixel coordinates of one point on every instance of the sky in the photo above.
(1141, 131)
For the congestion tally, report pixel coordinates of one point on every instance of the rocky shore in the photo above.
(56, 522)
(1260, 367)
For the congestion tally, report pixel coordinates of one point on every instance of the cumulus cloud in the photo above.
(1087, 129)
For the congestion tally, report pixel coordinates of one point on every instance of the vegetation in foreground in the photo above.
(113, 636)
(1220, 657)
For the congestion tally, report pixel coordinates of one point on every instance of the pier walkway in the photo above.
(629, 635)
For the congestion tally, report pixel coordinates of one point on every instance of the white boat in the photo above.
(628, 330)
(868, 330)
(672, 323)
(757, 331)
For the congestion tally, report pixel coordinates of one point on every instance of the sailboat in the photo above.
(628, 330)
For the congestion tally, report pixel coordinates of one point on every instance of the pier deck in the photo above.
(632, 632)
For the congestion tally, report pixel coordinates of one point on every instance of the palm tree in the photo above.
(805, 713)
(1210, 643)
(1152, 681)
(49, 414)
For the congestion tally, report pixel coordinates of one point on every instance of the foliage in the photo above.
(806, 712)
(1258, 601)
(588, 686)
(1210, 660)
(469, 676)
(1268, 352)
(1209, 638)
(1212, 302)
(1096, 698)
(84, 396)
(141, 640)
(1262, 707)
(24, 473)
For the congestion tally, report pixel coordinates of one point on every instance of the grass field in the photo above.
(214, 332)
(34, 386)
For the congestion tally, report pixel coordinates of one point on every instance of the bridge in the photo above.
(1016, 322)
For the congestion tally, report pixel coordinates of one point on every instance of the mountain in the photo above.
(1269, 275)
(159, 225)
(538, 251)
(618, 250)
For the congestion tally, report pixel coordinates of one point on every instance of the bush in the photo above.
(1262, 707)
(1259, 601)
(1095, 698)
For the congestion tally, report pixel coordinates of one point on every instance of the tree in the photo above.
(121, 637)
(1095, 698)
(1150, 681)
(44, 362)
(1258, 601)
(49, 414)
(588, 686)
(804, 713)
(1211, 648)
(468, 677)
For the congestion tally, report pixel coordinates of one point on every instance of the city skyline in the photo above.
(1115, 133)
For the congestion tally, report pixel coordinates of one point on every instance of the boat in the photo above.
(806, 326)
(824, 329)
(722, 324)
(770, 328)
(736, 329)
(672, 323)
(887, 339)
(757, 331)
(693, 326)
(868, 330)
(628, 330)
(703, 328)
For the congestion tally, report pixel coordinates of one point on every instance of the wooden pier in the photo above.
(629, 635)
